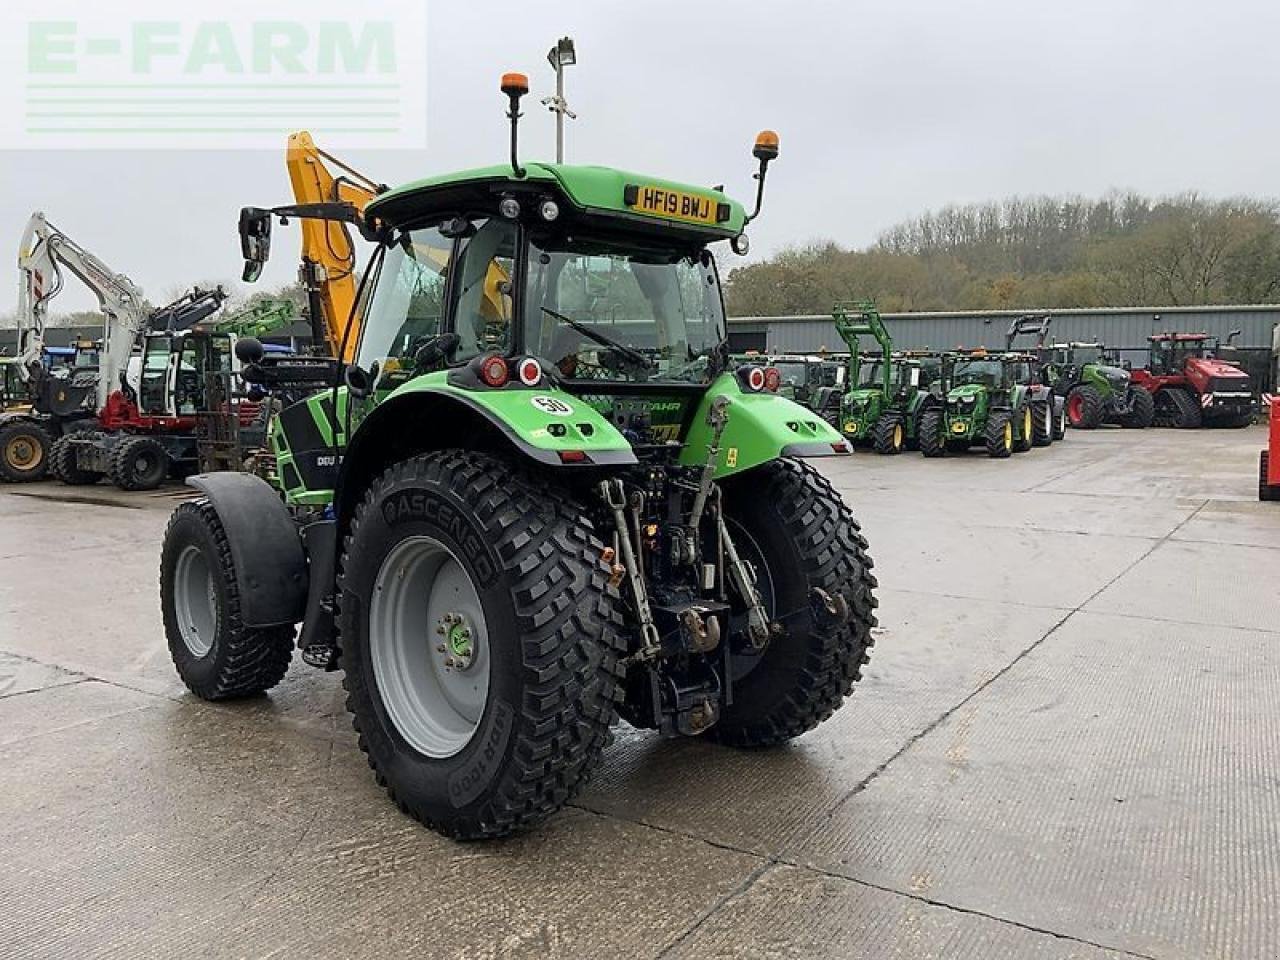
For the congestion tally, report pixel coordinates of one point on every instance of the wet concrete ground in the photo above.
(1066, 745)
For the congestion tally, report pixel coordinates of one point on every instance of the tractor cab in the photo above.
(14, 393)
(172, 382)
(1170, 351)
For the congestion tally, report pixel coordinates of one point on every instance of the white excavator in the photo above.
(71, 397)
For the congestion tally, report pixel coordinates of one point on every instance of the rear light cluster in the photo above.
(494, 370)
(755, 379)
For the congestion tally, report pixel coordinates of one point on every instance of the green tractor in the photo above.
(1094, 388)
(537, 498)
(886, 394)
(985, 401)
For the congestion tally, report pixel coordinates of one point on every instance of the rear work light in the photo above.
(772, 379)
(530, 372)
(493, 371)
(751, 377)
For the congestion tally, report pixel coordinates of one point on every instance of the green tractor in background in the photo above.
(1094, 388)
(811, 380)
(886, 394)
(539, 496)
(984, 402)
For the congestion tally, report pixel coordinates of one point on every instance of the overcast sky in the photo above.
(884, 110)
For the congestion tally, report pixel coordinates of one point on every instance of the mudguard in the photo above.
(266, 550)
(762, 427)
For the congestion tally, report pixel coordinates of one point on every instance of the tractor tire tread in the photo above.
(255, 660)
(573, 639)
(834, 558)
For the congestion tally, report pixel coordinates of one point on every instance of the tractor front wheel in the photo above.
(24, 451)
(217, 656)
(139, 463)
(1142, 410)
(1024, 426)
(64, 464)
(933, 442)
(888, 435)
(479, 640)
(999, 434)
(1059, 418)
(1042, 422)
(1084, 407)
(803, 542)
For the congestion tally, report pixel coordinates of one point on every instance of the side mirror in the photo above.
(255, 241)
(358, 380)
(249, 351)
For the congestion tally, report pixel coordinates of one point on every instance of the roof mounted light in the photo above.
(515, 86)
(509, 207)
(765, 150)
(741, 244)
(548, 210)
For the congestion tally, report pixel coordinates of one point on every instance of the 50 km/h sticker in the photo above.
(552, 405)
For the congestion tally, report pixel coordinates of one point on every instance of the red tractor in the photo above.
(1191, 386)
(1269, 459)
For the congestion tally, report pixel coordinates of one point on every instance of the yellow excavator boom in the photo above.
(329, 256)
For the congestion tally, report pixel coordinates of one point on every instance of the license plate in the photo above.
(675, 204)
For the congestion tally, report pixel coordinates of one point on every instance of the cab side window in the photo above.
(485, 276)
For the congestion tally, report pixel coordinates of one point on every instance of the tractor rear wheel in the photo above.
(794, 529)
(1266, 491)
(139, 463)
(217, 656)
(1177, 407)
(1023, 429)
(1042, 422)
(888, 435)
(930, 433)
(480, 642)
(64, 466)
(24, 451)
(1142, 410)
(998, 437)
(1084, 407)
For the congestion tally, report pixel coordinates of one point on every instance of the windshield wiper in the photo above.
(632, 354)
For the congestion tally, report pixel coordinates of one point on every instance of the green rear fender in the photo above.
(761, 427)
(549, 426)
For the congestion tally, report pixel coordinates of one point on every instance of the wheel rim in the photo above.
(23, 453)
(1026, 424)
(1075, 409)
(195, 601)
(1008, 436)
(897, 437)
(429, 647)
